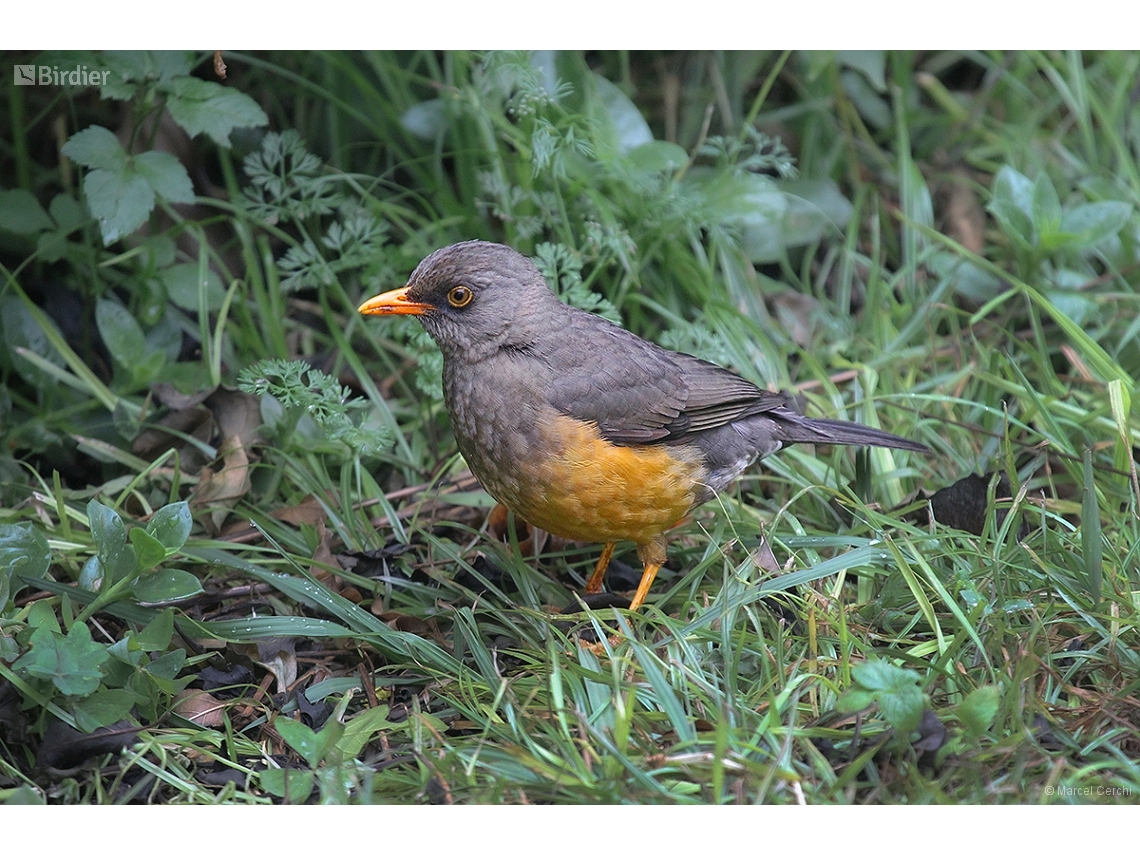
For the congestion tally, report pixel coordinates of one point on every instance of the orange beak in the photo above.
(394, 303)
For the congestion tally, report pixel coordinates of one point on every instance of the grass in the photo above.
(946, 248)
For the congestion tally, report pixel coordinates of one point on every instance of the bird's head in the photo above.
(473, 298)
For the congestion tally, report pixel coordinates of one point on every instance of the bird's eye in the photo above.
(460, 296)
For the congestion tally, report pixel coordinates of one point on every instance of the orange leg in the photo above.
(595, 584)
(647, 577)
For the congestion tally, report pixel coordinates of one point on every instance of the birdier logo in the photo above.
(50, 75)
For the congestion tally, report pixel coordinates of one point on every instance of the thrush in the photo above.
(581, 427)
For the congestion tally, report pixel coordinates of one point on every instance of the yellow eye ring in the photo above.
(460, 296)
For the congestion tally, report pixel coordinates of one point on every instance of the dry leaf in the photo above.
(199, 707)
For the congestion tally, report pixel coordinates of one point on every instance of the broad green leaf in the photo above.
(149, 65)
(181, 283)
(362, 727)
(1046, 209)
(902, 707)
(1095, 221)
(21, 212)
(629, 128)
(203, 106)
(894, 689)
(979, 709)
(42, 614)
(815, 207)
(69, 215)
(121, 201)
(167, 666)
(166, 586)
(872, 63)
(171, 525)
(67, 212)
(313, 747)
(71, 662)
(22, 330)
(875, 675)
(1012, 204)
(156, 635)
(425, 120)
(657, 156)
(166, 175)
(1075, 306)
(103, 708)
(23, 550)
(91, 576)
(149, 551)
(854, 700)
(146, 370)
(968, 279)
(293, 785)
(110, 536)
(120, 332)
(872, 106)
(96, 148)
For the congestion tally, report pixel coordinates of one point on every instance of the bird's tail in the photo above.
(834, 432)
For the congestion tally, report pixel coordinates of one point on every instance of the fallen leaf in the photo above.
(199, 707)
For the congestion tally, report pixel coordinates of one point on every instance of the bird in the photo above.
(581, 427)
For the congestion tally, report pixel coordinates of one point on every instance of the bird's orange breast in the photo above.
(580, 486)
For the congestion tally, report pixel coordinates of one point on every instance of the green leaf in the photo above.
(167, 666)
(902, 707)
(293, 785)
(147, 369)
(96, 148)
(111, 547)
(203, 106)
(69, 215)
(1012, 204)
(120, 332)
(181, 283)
(817, 207)
(22, 330)
(628, 128)
(876, 675)
(872, 64)
(67, 212)
(103, 708)
(121, 190)
(171, 525)
(854, 700)
(148, 549)
(42, 614)
(313, 747)
(21, 212)
(426, 119)
(657, 156)
(157, 634)
(872, 106)
(979, 709)
(23, 550)
(121, 201)
(166, 586)
(362, 727)
(1046, 209)
(752, 203)
(1090, 224)
(894, 689)
(166, 175)
(91, 576)
(71, 662)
